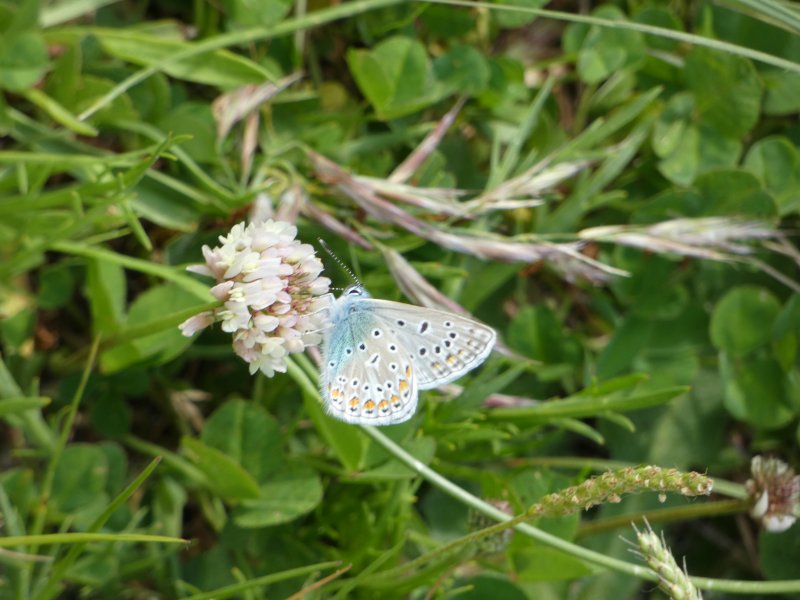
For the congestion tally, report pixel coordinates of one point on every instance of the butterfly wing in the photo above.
(367, 377)
(442, 346)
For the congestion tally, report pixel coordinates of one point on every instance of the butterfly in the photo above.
(378, 354)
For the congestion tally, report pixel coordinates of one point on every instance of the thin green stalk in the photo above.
(315, 19)
(664, 515)
(167, 322)
(432, 477)
(49, 475)
(697, 40)
(49, 539)
(165, 272)
(51, 588)
(237, 588)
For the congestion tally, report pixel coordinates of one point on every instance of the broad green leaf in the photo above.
(511, 18)
(220, 68)
(110, 416)
(247, 434)
(755, 390)
(742, 320)
(539, 563)
(225, 477)
(606, 50)
(56, 284)
(776, 162)
(734, 193)
(698, 149)
(23, 61)
(164, 345)
(781, 93)
(396, 76)
(257, 13)
(422, 448)
(726, 88)
(462, 69)
(80, 483)
(106, 290)
(288, 494)
(779, 553)
(447, 21)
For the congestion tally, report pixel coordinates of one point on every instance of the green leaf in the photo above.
(779, 553)
(56, 284)
(14, 406)
(289, 493)
(257, 13)
(606, 50)
(489, 586)
(726, 88)
(463, 69)
(23, 61)
(511, 18)
(734, 193)
(219, 68)
(396, 77)
(755, 390)
(161, 346)
(781, 93)
(106, 289)
(79, 484)
(539, 563)
(579, 407)
(742, 320)
(225, 477)
(422, 448)
(776, 162)
(247, 434)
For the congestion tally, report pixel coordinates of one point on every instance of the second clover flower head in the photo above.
(272, 293)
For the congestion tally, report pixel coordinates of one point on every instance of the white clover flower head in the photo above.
(272, 293)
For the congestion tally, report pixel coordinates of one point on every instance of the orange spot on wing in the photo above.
(369, 406)
(408, 372)
(354, 402)
(384, 405)
(403, 385)
(450, 360)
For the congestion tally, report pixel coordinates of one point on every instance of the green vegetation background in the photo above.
(113, 173)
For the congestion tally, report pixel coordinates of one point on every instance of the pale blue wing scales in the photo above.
(367, 377)
(443, 346)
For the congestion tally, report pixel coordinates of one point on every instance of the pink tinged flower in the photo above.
(272, 293)
(194, 324)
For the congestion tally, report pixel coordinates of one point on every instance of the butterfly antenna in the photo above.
(339, 261)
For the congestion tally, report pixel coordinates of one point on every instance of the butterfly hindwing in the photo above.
(368, 378)
(443, 346)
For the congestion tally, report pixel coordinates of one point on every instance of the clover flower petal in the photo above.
(272, 292)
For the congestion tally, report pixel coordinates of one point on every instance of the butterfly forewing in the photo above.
(443, 346)
(368, 377)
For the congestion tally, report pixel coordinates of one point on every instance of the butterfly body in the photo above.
(378, 354)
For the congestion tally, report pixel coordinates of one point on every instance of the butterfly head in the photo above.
(355, 291)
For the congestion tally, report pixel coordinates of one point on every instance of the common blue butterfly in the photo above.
(378, 354)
